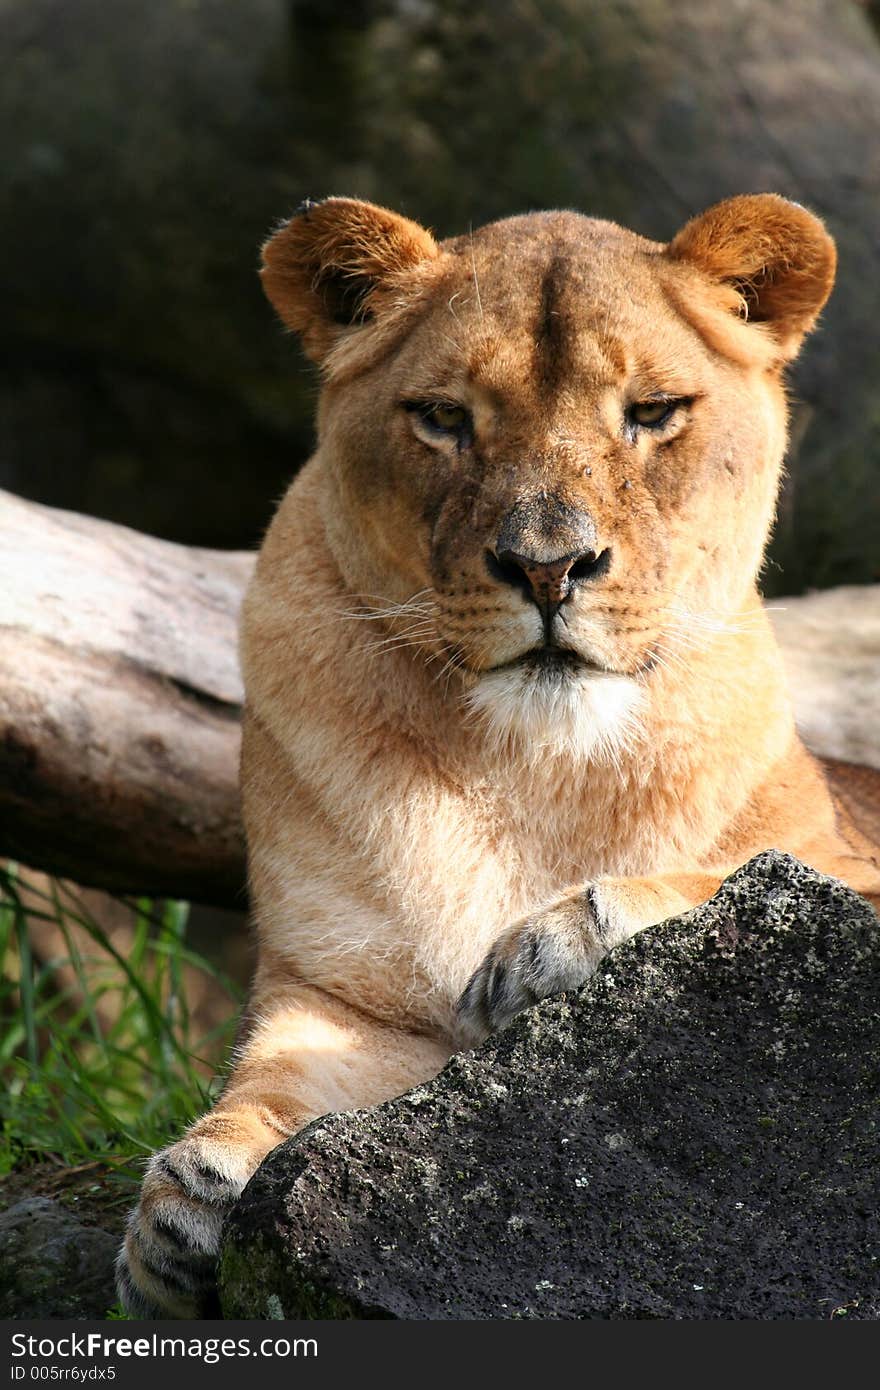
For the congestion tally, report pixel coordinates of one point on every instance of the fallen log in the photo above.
(120, 703)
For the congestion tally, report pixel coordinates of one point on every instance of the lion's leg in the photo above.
(308, 1054)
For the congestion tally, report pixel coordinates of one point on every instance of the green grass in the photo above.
(98, 1054)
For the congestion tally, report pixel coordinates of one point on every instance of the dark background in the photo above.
(148, 146)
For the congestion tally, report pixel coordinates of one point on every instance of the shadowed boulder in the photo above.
(148, 149)
(52, 1265)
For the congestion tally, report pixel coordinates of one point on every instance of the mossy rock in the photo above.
(694, 1134)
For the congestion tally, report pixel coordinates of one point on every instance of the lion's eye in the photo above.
(651, 415)
(443, 418)
(447, 417)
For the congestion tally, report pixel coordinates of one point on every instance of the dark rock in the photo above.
(53, 1266)
(694, 1134)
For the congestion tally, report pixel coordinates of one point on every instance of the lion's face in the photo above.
(557, 446)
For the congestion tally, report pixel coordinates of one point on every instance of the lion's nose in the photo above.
(547, 582)
(545, 547)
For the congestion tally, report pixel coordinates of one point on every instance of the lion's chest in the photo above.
(423, 882)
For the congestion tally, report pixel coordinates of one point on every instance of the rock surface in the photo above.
(694, 1134)
(52, 1265)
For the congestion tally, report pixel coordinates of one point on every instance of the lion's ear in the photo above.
(325, 269)
(776, 257)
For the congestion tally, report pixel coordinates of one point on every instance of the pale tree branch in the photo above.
(120, 705)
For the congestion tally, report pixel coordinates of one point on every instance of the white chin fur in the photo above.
(577, 715)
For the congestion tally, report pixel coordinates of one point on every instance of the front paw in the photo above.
(544, 954)
(167, 1265)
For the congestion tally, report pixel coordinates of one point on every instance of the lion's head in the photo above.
(551, 447)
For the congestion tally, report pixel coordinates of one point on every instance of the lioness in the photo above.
(511, 695)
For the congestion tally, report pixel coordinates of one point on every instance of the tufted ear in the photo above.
(776, 257)
(325, 269)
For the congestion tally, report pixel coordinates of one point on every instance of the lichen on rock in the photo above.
(692, 1134)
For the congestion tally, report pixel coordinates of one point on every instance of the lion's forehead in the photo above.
(548, 300)
(531, 236)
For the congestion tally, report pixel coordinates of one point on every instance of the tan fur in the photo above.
(437, 834)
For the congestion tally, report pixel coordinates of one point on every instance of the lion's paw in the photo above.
(546, 953)
(168, 1262)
